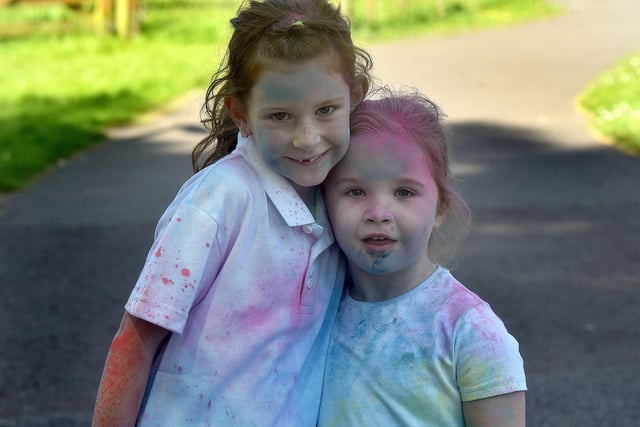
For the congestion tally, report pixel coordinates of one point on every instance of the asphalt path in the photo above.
(554, 246)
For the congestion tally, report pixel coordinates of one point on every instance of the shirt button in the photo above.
(307, 229)
(309, 283)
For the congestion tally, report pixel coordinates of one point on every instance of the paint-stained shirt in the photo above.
(249, 283)
(413, 359)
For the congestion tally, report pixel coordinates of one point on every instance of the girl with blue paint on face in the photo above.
(411, 345)
(229, 321)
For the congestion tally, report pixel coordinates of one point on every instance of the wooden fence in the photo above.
(118, 17)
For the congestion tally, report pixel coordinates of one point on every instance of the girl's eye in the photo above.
(403, 193)
(355, 193)
(323, 111)
(280, 116)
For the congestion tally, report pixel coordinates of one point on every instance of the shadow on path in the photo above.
(553, 249)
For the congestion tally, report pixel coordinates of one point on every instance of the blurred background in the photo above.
(99, 109)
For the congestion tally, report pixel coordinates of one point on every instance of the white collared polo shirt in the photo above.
(248, 281)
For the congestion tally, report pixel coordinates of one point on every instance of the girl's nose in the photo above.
(306, 136)
(378, 213)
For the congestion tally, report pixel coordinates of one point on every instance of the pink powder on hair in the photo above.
(295, 17)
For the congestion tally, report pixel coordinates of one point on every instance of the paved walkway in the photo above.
(553, 249)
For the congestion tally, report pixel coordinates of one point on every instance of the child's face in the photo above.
(382, 202)
(299, 117)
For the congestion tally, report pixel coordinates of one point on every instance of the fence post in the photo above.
(102, 16)
(126, 18)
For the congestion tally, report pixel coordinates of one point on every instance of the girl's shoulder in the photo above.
(227, 184)
(453, 297)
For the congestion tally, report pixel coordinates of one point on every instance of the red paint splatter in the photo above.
(207, 245)
(179, 219)
(122, 341)
(167, 281)
(186, 272)
(159, 252)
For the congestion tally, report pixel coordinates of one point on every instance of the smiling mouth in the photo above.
(307, 161)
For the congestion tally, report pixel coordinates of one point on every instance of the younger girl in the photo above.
(229, 321)
(411, 346)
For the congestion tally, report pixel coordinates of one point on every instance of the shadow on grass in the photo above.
(51, 129)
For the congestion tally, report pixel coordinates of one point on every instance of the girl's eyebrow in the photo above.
(284, 104)
(346, 180)
(400, 181)
(337, 100)
(411, 181)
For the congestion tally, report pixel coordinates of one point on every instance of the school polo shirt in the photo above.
(249, 284)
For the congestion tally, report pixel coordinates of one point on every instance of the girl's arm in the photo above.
(506, 410)
(126, 372)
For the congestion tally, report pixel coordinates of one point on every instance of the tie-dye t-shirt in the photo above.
(413, 359)
(249, 283)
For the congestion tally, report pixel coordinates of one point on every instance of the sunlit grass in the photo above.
(60, 92)
(612, 102)
(62, 87)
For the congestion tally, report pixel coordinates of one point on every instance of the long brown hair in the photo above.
(283, 30)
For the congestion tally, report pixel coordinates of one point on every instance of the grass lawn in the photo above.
(612, 103)
(62, 87)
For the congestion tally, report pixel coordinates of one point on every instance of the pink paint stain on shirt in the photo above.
(159, 252)
(255, 317)
(167, 281)
(186, 272)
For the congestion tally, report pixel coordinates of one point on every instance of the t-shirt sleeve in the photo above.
(488, 362)
(180, 268)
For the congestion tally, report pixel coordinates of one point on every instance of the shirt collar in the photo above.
(282, 194)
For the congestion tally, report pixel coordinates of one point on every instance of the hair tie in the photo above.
(296, 20)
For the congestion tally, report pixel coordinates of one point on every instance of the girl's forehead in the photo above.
(386, 142)
(328, 61)
(308, 80)
(387, 150)
(382, 159)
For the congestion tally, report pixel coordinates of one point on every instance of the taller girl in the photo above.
(230, 318)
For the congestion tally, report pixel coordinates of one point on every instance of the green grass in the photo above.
(62, 90)
(612, 103)
(62, 87)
